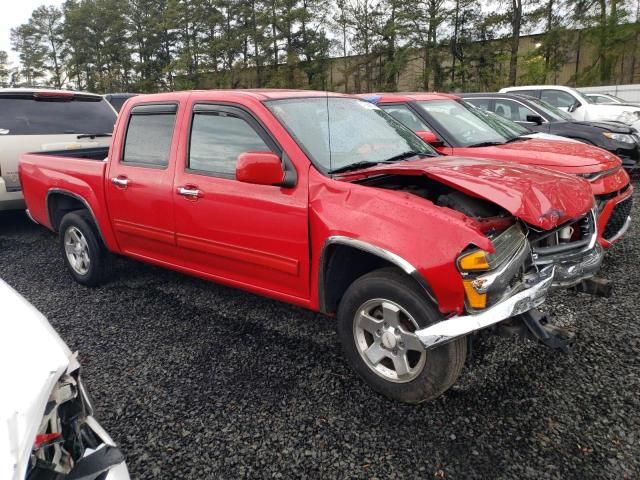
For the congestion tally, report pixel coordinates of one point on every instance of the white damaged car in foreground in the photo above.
(47, 428)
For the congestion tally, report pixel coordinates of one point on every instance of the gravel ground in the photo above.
(196, 380)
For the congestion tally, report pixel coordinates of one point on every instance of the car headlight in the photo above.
(482, 270)
(620, 137)
(630, 117)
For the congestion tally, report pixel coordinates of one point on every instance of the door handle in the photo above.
(120, 181)
(189, 192)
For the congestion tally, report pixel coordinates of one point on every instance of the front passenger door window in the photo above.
(217, 139)
(558, 98)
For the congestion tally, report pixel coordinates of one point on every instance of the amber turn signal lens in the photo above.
(474, 299)
(476, 260)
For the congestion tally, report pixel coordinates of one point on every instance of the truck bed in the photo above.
(79, 173)
(90, 153)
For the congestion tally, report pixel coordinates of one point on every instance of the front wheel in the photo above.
(82, 249)
(376, 320)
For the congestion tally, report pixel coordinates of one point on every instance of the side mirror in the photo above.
(429, 137)
(260, 168)
(574, 107)
(537, 119)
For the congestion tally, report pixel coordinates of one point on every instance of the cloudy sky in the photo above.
(15, 12)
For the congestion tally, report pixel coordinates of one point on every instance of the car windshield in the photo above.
(610, 99)
(581, 96)
(550, 111)
(346, 133)
(24, 114)
(470, 126)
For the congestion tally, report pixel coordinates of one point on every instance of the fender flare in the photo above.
(379, 252)
(75, 196)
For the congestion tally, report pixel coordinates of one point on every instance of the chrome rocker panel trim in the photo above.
(462, 325)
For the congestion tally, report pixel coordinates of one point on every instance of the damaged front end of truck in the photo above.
(532, 233)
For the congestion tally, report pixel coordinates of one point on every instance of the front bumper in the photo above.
(537, 286)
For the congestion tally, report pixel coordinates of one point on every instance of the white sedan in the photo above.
(47, 425)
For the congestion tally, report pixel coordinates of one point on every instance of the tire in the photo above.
(390, 294)
(82, 249)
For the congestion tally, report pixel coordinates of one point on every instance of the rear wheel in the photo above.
(376, 320)
(82, 249)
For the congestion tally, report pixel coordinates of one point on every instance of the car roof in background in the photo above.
(45, 91)
(386, 97)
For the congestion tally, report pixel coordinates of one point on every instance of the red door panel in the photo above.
(140, 185)
(251, 235)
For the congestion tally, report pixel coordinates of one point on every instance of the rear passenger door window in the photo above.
(218, 137)
(149, 134)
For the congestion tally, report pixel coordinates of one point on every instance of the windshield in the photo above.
(26, 115)
(551, 111)
(468, 125)
(337, 132)
(581, 96)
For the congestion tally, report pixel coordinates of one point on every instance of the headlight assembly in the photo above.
(487, 274)
(630, 117)
(620, 137)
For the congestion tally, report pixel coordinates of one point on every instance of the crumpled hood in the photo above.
(33, 358)
(547, 153)
(540, 197)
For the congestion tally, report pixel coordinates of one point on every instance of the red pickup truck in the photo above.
(454, 127)
(326, 202)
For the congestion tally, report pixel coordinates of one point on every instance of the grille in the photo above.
(618, 217)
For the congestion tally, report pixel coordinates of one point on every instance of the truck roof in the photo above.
(258, 94)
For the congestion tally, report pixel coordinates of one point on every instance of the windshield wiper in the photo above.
(520, 138)
(354, 166)
(365, 164)
(94, 135)
(401, 156)
(485, 144)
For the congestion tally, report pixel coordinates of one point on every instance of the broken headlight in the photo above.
(487, 275)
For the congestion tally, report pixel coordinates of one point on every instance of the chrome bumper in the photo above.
(459, 326)
(572, 272)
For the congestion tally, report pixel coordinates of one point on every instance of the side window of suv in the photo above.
(558, 98)
(149, 133)
(218, 137)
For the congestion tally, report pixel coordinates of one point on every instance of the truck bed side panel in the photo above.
(83, 178)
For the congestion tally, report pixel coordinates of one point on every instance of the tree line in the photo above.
(155, 45)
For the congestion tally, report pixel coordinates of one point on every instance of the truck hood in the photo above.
(541, 198)
(548, 153)
(33, 358)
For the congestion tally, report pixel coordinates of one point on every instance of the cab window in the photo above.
(217, 139)
(149, 134)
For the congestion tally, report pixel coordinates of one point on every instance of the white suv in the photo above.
(38, 119)
(578, 105)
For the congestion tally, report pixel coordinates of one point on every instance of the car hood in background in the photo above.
(546, 153)
(542, 198)
(616, 127)
(33, 358)
(549, 136)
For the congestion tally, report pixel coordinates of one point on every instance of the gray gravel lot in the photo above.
(196, 380)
